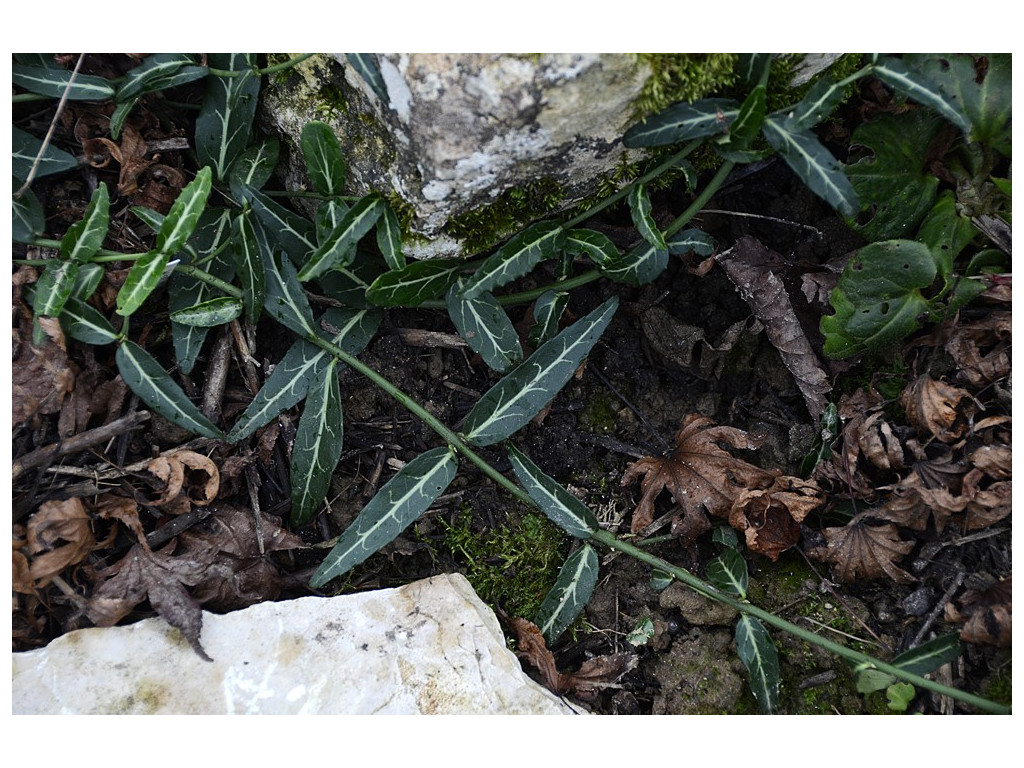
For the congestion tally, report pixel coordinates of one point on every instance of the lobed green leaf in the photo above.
(570, 594)
(562, 508)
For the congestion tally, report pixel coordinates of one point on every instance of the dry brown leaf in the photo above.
(770, 519)
(933, 407)
(912, 505)
(531, 647)
(59, 536)
(700, 474)
(878, 442)
(981, 350)
(41, 377)
(861, 550)
(985, 506)
(174, 469)
(121, 508)
(988, 614)
(994, 460)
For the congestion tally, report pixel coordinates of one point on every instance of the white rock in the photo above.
(431, 647)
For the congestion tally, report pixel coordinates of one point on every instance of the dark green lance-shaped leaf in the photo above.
(396, 506)
(181, 220)
(756, 650)
(415, 283)
(516, 258)
(317, 446)
(357, 222)
(921, 89)
(892, 183)
(754, 67)
(248, 258)
(54, 82)
(547, 312)
(54, 287)
(25, 148)
(253, 168)
(747, 125)
(119, 115)
(820, 101)
(210, 313)
(486, 328)
(366, 65)
(682, 122)
(84, 323)
(728, 572)
(328, 217)
(286, 301)
(814, 164)
(522, 394)
(562, 508)
(640, 211)
(349, 285)
(928, 657)
(691, 241)
(149, 217)
(567, 599)
(589, 242)
(878, 298)
(29, 221)
(639, 266)
(159, 391)
(157, 72)
(87, 280)
(324, 162)
(389, 238)
(142, 280)
(85, 237)
(293, 233)
(945, 232)
(225, 119)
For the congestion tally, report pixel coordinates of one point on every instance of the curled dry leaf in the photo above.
(700, 474)
(770, 519)
(994, 460)
(981, 350)
(59, 536)
(933, 407)
(878, 443)
(987, 614)
(861, 550)
(185, 472)
(41, 377)
(985, 505)
(121, 508)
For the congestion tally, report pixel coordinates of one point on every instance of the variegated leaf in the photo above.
(562, 508)
(366, 65)
(57, 83)
(85, 237)
(225, 119)
(25, 148)
(249, 265)
(253, 168)
(486, 328)
(570, 595)
(293, 233)
(357, 222)
(756, 650)
(142, 280)
(157, 72)
(324, 162)
(640, 210)
(641, 265)
(286, 301)
(318, 442)
(682, 122)
(921, 89)
(591, 243)
(181, 220)
(29, 221)
(547, 312)
(516, 258)
(415, 283)
(389, 238)
(209, 313)
(84, 323)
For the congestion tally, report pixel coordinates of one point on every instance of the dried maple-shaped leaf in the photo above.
(932, 407)
(157, 575)
(700, 473)
(770, 518)
(988, 614)
(912, 505)
(59, 535)
(868, 551)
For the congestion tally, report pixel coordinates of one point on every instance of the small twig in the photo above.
(216, 377)
(720, 212)
(252, 482)
(946, 596)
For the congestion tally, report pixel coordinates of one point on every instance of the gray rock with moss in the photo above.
(472, 147)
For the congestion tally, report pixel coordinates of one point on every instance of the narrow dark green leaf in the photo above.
(757, 652)
(181, 220)
(152, 219)
(349, 285)
(814, 164)
(53, 82)
(328, 216)
(88, 280)
(928, 657)
(85, 237)
(286, 301)
(691, 241)
(357, 222)
(366, 65)
(210, 313)
(728, 572)
(921, 89)
(253, 168)
(29, 221)
(396, 506)
(522, 394)
(415, 283)
(350, 329)
(516, 258)
(225, 119)
(249, 264)
(54, 287)
(324, 162)
(591, 243)
(120, 114)
(570, 594)
(389, 238)
(547, 312)
(157, 72)
(293, 233)
(142, 280)
(640, 211)
(754, 67)
(745, 128)
(24, 150)
(486, 328)
(820, 101)
(83, 323)
(682, 122)
(642, 265)
(317, 448)
(562, 508)
(159, 391)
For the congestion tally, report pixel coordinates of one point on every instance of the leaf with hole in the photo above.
(324, 162)
(547, 312)
(562, 508)
(682, 122)
(570, 594)
(415, 283)
(641, 265)
(756, 650)
(389, 238)
(84, 323)
(516, 258)
(814, 164)
(158, 72)
(522, 394)
(317, 447)
(728, 572)
(359, 220)
(640, 211)
(402, 500)
(589, 242)
(25, 148)
(56, 83)
(919, 87)
(366, 65)
(486, 328)
(28, 221)
(154, 386)
(945, 232)
(85, 237)
(229, 106)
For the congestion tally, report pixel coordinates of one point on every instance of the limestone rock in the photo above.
(431, 647)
